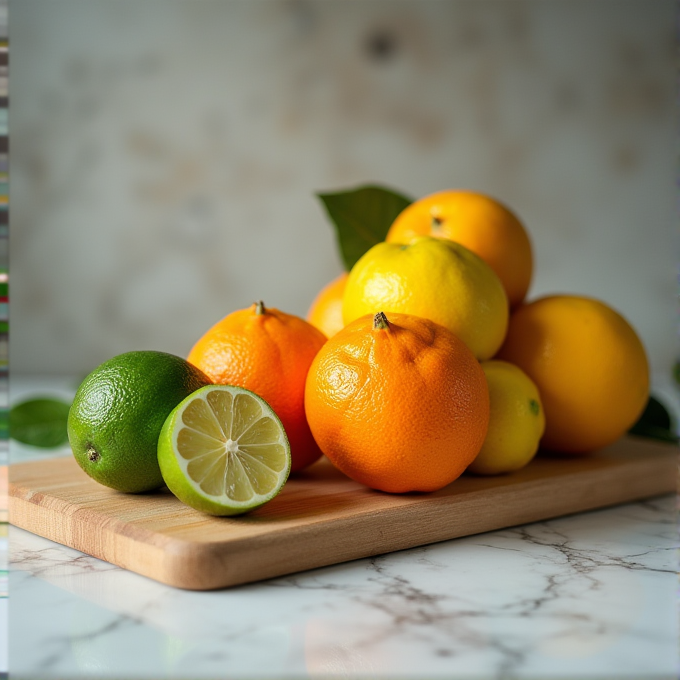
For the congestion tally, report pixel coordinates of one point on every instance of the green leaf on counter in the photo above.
(655, 423)
(39, 422)
(362, 218)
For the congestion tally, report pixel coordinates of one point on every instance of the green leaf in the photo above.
(362, 218)
(39, 422)
(655, 423)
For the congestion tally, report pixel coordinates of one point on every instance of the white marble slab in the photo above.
(588, 595)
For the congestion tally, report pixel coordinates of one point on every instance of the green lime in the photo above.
(118, 412)
(224, 451)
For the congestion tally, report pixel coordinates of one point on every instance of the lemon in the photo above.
(516, 422)
(118, 412)
(224, 451)
(436, 279)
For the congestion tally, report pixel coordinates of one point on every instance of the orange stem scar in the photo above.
(380, 322)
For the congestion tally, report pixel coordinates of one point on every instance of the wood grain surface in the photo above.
(321, 517)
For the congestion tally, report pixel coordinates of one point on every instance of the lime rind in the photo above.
(223, 450)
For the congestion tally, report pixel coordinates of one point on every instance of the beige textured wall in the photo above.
(165, 153)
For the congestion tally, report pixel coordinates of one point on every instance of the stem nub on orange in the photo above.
(481, 224)
(267, 352)
(399, 405)
(326, 310)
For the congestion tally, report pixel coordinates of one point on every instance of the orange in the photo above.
(589, 366)
(267, 352)
(326, 310)
(481, 224)
(399, 405)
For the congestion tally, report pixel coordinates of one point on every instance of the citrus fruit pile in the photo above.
(423, 361)
(564, 372)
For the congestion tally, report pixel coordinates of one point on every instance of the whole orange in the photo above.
(268, 352)
(589, 366)
(481, 224)
(326, 310)
(399, 405)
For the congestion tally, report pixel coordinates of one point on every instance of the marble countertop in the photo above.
(590, 595)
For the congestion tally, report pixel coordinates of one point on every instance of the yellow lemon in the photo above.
(516, 423)
(436, 279)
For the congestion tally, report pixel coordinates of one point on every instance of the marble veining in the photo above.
(586, 595)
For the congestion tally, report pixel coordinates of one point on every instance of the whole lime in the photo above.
(118, 412)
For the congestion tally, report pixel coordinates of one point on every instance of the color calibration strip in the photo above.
(4, 245)
(4, 334)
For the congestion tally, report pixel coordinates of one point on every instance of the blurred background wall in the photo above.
(165, 153)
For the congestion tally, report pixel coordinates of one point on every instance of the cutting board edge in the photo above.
(396, 548)
(172, 557)
(70, 530)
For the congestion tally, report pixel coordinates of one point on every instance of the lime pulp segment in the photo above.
(231, 446)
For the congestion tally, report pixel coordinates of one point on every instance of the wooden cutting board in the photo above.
(321, 517)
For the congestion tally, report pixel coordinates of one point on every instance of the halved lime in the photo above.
(224, 451)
